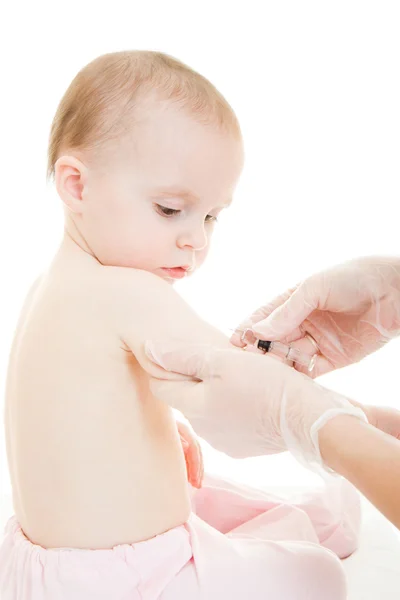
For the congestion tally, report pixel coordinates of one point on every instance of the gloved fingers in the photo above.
(179, 357)
(384, 317)
(185, 429)
(284, 322)
(254, 350)
(337, 337)
(186, 396)
(236, 337)
(259, 315)
(322, 364)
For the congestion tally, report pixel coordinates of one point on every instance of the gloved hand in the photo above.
(350, 310)
(246, 404)
(193, 454)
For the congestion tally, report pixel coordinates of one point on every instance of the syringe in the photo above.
(283, 350)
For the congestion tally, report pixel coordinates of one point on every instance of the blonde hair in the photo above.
(92, 110)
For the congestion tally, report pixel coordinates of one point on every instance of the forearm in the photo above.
(366, 457)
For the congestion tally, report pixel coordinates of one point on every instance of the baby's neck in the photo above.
(71, 249)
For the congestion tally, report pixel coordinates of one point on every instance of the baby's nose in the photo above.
(196, 239)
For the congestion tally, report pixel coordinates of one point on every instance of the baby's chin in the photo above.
(166, 279)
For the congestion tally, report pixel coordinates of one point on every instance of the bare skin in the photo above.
(95, 459)
(367, 457)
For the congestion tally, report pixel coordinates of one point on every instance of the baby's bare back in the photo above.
(95, 459)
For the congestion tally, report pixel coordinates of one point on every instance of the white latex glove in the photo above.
(351, 310)
(246, 404)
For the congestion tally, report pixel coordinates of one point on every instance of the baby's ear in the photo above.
(70, 180)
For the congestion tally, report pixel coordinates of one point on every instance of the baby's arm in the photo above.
(150, 309)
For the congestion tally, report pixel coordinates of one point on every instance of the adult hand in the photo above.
(246, 404)
(350, 310)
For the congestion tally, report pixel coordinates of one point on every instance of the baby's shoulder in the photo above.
(27, 302)
(132, 291)
(131, 299)
(121, 282)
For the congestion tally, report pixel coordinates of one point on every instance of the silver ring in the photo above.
(312, 362)
(314, 343)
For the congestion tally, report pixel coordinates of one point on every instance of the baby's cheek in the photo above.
(201, 257)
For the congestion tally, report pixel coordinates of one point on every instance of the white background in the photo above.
(316, 88)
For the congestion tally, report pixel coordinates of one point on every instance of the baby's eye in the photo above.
(165, 211)
(211, 219)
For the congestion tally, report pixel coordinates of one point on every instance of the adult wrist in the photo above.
(336, 441)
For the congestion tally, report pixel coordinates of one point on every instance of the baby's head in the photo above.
(145, 153)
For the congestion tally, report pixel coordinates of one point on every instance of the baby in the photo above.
(145, 154)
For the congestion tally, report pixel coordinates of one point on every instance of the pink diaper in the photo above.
(129, 572)
(238, 543)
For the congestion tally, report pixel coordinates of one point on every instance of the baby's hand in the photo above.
(193, 455)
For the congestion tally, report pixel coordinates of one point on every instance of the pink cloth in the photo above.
(241, 543)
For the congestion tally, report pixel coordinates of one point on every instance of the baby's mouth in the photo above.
(176, 272)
